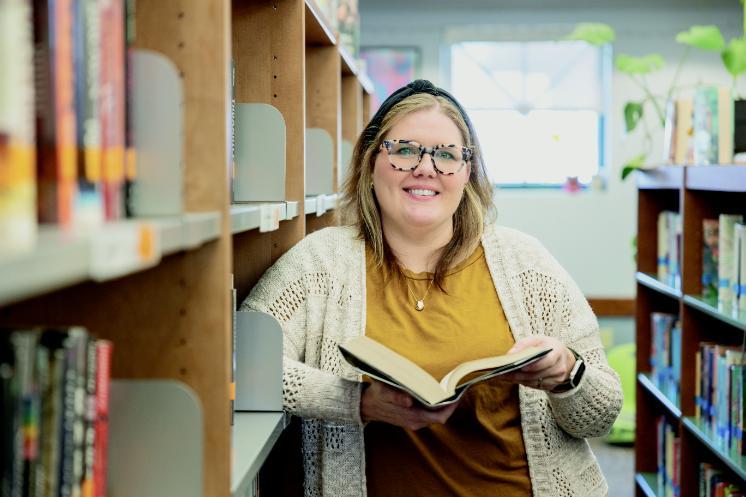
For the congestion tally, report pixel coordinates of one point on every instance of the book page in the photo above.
(492, 366)
(374, 358)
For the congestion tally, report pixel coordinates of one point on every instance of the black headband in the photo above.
(416, 86)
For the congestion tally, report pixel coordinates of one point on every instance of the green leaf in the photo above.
(632, 115)
(734, 56)
(703, 37)
(639, 65)
(633, 165)
(593, 33)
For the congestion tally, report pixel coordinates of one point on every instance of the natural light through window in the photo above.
(536, 106)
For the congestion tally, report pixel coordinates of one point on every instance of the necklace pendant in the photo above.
(420, 305)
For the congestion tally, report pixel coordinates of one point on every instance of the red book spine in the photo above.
(101, 436)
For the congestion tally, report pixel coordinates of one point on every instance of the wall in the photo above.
(590, 232)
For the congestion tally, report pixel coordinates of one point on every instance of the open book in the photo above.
(380, 362)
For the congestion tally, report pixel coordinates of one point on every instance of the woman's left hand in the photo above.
(549, 371)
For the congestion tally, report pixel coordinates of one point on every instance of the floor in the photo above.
(617, 464)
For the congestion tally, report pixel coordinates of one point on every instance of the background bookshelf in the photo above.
(696, 193)
(168, 312)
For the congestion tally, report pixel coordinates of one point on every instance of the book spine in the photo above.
(726, 256)
(52, 410)
(71, 409)
(101, 436)
(56, 118)
(90, 419)
(112, 107)
(130, 150)
(710, 260)
(18, 224)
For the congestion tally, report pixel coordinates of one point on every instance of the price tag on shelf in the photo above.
(320, 205)
(121, 248)
(269, 218)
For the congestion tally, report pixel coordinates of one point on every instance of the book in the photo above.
(381, 363)
(683, 153)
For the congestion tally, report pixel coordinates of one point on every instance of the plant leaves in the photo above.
(632, 115)
(703, 37)
(639, 65)
(593, 33)
(633, 165)
(734, 56)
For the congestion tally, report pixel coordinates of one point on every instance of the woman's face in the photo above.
(421, 198)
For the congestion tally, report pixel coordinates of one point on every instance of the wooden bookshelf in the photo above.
(169, 314)
(696, 193)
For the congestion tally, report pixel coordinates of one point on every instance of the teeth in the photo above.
(424, 193)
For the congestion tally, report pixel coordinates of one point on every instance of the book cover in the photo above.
(669, 133)
(376, 360)
(18, 226)
(713, 126)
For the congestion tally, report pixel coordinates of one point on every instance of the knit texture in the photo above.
(317, 292)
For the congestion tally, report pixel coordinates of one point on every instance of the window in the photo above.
(536, 106)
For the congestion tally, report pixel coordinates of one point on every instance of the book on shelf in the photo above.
(669, 133)
(738, 285)
(87, 60)
(348, 24)
(18, 226)
(684, 151)
(55, 111)
(665, 354)
(727, 257)
(669, 248)
(668, 458)
(710, 257)
(377, 361)
(713, 126)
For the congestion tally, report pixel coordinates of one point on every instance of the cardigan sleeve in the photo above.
(590, 409)
(285, 292)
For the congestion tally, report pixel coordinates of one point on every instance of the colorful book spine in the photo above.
(18, 224)
(662, 247)
(710, 260)
(55, 111)
(113, 107)
(103, 378)
(739, 286)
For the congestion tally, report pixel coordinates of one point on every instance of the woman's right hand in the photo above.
(380, 402)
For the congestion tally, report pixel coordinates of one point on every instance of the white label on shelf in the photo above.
(269, 219)
(121, 248)
(320, 205)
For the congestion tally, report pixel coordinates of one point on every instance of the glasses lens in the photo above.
(404, 155)
(448, 159)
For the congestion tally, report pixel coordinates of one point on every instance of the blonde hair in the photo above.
(359, 207)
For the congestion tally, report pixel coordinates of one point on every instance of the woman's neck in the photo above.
(418, 250)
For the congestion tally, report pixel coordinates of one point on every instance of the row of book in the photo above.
(54, 398)
(724, 262)
(705, 128)
(714, 483)
(66, 151)
(665, 354)
(719, 399)
(669, 248)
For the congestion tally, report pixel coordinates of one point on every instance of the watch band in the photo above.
(576, 374)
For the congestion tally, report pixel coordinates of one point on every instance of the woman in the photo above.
(420, 266)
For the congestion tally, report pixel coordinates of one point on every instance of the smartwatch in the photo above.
(575, 375)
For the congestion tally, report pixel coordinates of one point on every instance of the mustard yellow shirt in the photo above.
(480, 450)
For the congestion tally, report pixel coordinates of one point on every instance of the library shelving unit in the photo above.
(160, 288)
(696, 193)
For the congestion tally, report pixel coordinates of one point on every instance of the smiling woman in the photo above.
(420, 266)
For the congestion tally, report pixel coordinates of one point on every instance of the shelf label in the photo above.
(121, 248)
(269, 217)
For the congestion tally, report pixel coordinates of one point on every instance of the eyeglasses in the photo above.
(406, 155)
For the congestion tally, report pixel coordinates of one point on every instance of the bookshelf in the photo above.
(696, 193)
(168, 310)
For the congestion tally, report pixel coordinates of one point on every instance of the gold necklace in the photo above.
(420, 303)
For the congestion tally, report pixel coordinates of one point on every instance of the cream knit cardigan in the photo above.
(317, 292)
